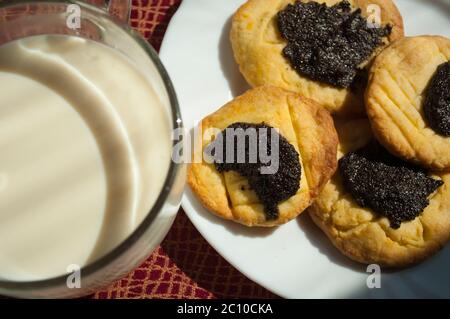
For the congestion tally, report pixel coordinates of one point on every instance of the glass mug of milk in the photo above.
(87, 185)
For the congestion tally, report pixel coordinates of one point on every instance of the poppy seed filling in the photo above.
(273, 188)
(437, 101)
(328, 44)
(386, 184)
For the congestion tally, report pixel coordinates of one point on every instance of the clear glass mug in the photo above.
(105, 22)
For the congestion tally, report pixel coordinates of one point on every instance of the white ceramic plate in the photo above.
(295, 260)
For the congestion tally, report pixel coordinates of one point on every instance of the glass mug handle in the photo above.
(117, 8)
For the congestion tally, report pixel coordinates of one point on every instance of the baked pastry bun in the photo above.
(408, 100)
(307, 131)
(368, 237)
(259, 48)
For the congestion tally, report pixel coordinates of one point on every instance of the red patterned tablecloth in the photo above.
(185, 265)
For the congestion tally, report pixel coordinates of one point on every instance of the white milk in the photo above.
(84, 151)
